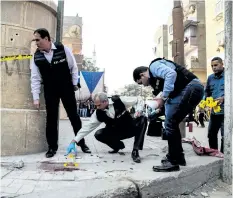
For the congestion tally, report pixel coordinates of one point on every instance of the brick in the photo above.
(58, 176)
(46, 176)
(14, 174)
(6, 182)
(11, 190)
(26, 174)
(25, 189)
(4, 172)
(15, 185)
(68, 176)
(41, 186)
(34, 176)
(23, 182)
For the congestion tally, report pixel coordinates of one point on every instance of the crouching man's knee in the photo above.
(99, 135)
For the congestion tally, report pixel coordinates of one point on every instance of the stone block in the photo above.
(47, 176)
(23, 132)
(16, 88)
(32, 11)
(6, 182)
(3, 35)
(25, 189)
(18, 37)
(9, 7)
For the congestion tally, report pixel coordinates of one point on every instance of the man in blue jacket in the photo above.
(215, 89)
(181, 93)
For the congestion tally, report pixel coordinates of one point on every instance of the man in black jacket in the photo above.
(119, 124)
(55, 66)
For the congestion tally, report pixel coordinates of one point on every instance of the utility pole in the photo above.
(228, 98)
(60, 14)
(178, 42)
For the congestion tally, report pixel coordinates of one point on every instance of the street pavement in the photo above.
(101, 174)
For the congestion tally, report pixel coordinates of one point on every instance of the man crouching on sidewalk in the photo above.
(119, 124)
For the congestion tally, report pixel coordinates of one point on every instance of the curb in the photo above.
(154, 186)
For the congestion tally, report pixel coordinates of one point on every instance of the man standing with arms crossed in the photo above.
(54, 65)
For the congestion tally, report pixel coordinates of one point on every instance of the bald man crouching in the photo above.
(119, 124)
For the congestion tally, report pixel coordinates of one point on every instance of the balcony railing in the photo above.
(190, 43)
(219, 8)
(193, 63)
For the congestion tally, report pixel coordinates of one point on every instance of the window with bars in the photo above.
(171, 29)
(219, 7)
(220, 37)
(159, 40)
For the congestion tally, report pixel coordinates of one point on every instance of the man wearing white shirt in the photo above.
(54, 65)
(119, 124)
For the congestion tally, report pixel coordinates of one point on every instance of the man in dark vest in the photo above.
(119, 124)
(181, 93)
(54, 65)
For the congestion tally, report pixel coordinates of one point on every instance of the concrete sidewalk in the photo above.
(106, 175)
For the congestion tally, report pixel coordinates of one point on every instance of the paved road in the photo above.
(46, 175)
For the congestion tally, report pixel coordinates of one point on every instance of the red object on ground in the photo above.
(200, 150)
(190, 127)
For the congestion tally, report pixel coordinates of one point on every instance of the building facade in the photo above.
(161, 42)
(72, 36)
(195, 37)
(214, 31)
(170, 36)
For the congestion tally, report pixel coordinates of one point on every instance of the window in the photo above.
(219, 7)
(191, 31)
(171, 29)
(220, 36)
(159, 40)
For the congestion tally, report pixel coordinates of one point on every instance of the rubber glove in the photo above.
(71, 147)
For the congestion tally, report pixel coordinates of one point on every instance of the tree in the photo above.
(136, 90)
(88, 65)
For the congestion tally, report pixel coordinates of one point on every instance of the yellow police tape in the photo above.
(15, 57)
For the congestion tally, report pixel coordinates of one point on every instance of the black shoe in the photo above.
(166, 167)
(122, 146)
(135, 156)
(181, 161)
(50, 153)
(85, 148)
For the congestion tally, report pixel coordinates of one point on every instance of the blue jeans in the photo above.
(176, 109)
(85, 112)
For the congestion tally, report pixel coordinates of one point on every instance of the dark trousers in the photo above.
(201, 119)
(176, 110)
(216, 123)
(52, 99)
(112, 136)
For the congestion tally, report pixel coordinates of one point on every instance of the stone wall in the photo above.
(22, 126)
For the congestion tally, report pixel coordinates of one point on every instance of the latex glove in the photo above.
(71, 147)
